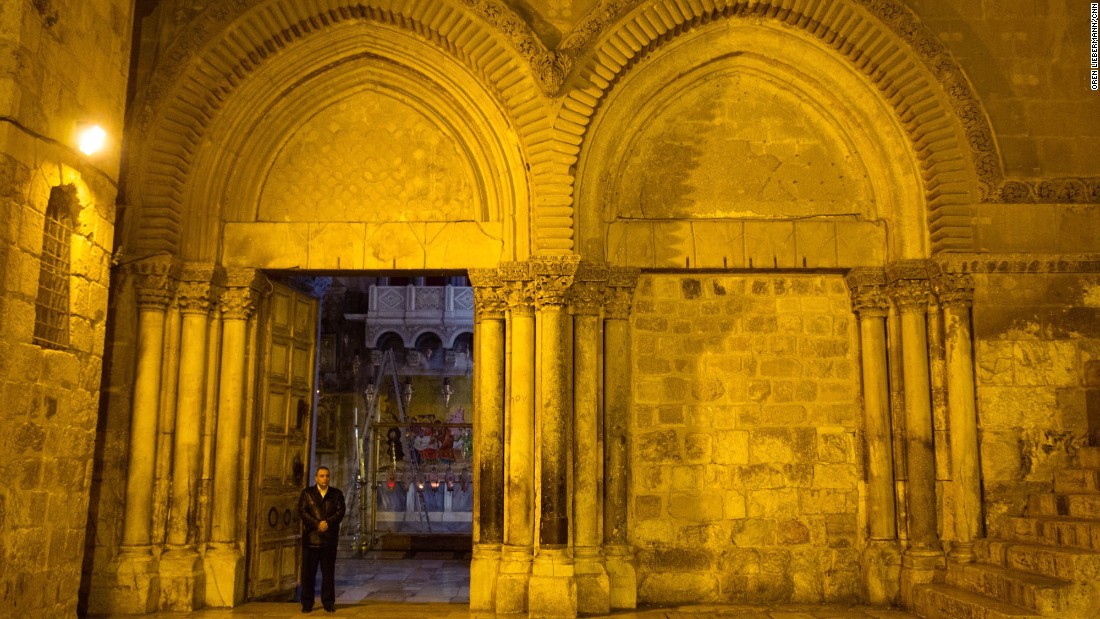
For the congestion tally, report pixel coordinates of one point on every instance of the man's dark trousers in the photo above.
(311, 557)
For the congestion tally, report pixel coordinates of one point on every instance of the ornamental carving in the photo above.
(241, 296)
(620, 291)
(1050, 191)
(153, 282)
(911, 295)
(194, 290)
(490, 298)
(553, 276)
(519, 287)
(954, 289)
(1020, 263)
(589, 288)
(868, 291)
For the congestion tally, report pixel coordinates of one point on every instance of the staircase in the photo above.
(1048, 565)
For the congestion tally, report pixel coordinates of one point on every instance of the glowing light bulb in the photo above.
(92, 139)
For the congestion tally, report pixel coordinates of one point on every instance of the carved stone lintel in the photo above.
(868, 289)
(153, 281)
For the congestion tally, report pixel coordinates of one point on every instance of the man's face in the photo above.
(322, 478)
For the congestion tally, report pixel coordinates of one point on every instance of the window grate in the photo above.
(51, 319)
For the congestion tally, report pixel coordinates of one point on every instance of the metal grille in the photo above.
(51, 320)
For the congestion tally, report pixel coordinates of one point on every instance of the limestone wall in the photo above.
(62, 62)
(745, 466)
(1038, 380)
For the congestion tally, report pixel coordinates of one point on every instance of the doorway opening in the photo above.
(394, 423)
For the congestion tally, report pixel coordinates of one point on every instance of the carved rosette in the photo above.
(868, 290)
(620, 291)
(153, 282)
(241, 296)
(954, 289)
(490, 296)
(553, 277)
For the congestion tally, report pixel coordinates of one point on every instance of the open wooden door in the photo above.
(282, 434)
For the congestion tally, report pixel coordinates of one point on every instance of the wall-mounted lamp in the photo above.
(90, 139)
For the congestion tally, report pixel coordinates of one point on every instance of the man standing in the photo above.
(321, 508)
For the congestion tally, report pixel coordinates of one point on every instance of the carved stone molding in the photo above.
(490, 296)
(868, 289)
(1019, 263)
(153, 281)
(954, 289)
(1084, 190)
(620, 292)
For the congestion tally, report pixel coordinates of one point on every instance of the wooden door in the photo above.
(284, 413)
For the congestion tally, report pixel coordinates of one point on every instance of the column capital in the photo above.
(195, 288)
(553, 276)
(490, 296)
(519, 287)
(620, 290)
(909, 285)
(954, 289)
(589, 285)
(153, 281)
(867, 287)
(241, 295)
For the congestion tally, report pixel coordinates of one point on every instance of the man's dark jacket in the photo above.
(313, 509)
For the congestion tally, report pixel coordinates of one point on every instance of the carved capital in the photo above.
(954, 289)
(242, 293)
(553, 276)
(519, 287)
(620, 291)
(490, 297)
(153, 282)
(194, 291)
(909, 285)
(868, 289)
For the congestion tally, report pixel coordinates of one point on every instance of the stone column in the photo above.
(593, 585)
(224, 561)
(553, 587)
(956, 295)
(618, 556)
(910, 288)
(137, 588)
(881, 558)
(490, 304)
(519, 494)
(182, 578)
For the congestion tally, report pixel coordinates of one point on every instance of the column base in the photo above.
(880, 569)
(619, 561)
(182, 580)
(918, 567)
(593, 584)
(513, 579)
(484, 567)
(132, 588)
(553, 587)
(962, 552)
(223, 568)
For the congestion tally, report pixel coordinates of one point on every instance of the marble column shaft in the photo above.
(153, 292)
(955, 292)
(194, 299)
(911, 296)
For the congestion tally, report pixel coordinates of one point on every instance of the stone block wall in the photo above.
(1037, 350)
(61, 62)
(746, 458)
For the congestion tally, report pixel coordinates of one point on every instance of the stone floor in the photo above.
(406, 585)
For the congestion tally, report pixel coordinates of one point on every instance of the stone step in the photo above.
(1089, 457)
(1041, 594)
(1070, 564)
(1054, 530)
(1072, 505)
(943, 601)
(991, 551)
(1077, 481)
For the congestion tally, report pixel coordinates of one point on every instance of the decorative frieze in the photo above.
(1019, 263)
(1050, 191)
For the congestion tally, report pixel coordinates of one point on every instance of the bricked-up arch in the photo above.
(914, 72)
(232, 41)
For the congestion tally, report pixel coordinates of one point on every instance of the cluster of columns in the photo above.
(551, 459)
(194, 321)
(897, 308)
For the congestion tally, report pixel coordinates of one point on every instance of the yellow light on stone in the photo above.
(91, 139)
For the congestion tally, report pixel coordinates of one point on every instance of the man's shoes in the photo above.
(307, 610)
(330, 609)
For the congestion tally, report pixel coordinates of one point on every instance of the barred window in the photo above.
(51, 319)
